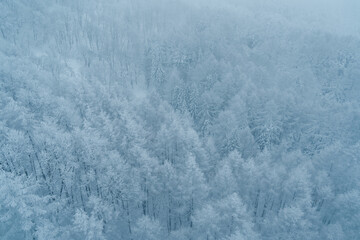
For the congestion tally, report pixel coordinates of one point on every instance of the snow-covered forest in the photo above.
(179, 119)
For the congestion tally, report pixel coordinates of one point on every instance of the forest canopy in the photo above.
(179, 119)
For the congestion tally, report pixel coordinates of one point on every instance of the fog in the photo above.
(179, 119)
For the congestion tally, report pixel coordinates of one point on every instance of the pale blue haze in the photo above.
(179, 119)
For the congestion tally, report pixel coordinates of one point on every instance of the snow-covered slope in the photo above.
(178, 119)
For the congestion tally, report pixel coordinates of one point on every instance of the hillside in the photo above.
(179, 119)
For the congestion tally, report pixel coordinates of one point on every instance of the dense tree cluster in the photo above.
(216, 120)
